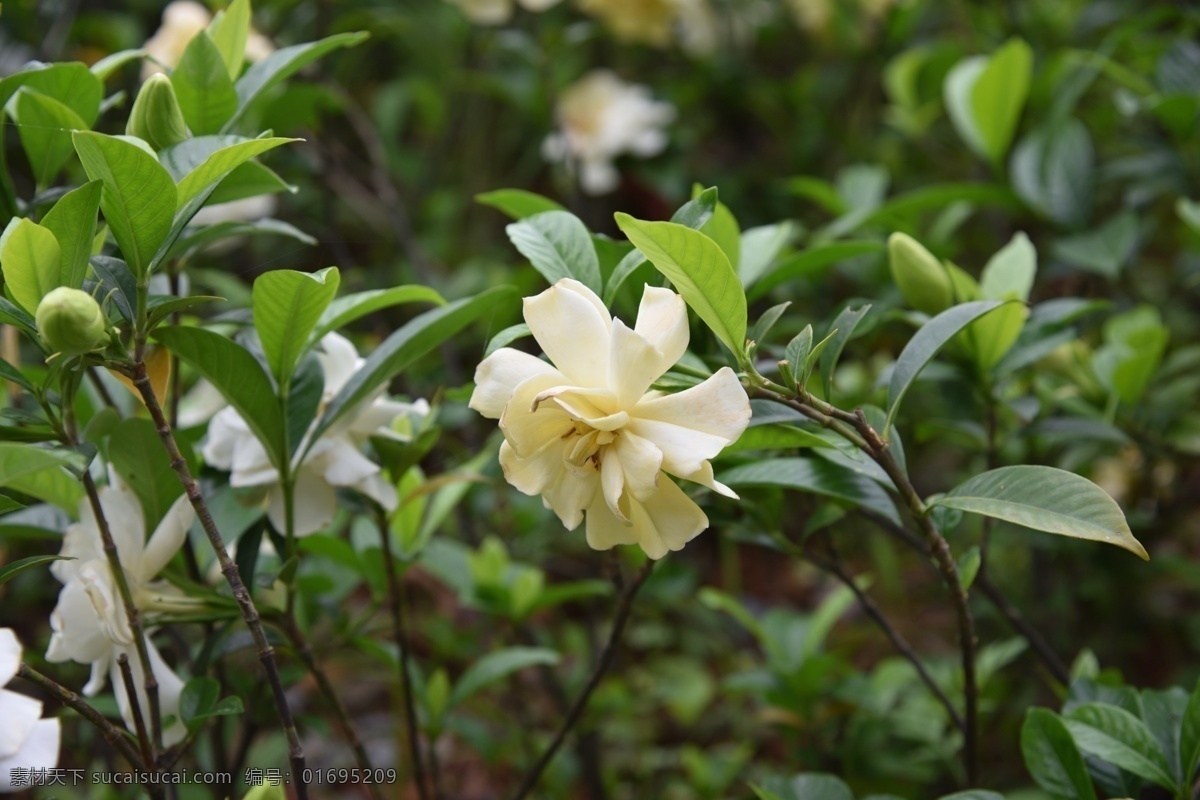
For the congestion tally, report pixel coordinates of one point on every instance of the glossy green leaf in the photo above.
(45, 127)
(229, 34)
(203, 86)
(999, 95)
(798, 349)
(497, 665)
(345, 310)
(1052, 757)
(925, 344)
(699, 271)
(518, 203)
(72, 220)
(760, 247)
(287, 306)
(694, 214)
(31, 261)
(282, 64)
(1008, 275)
(775, 437)
(71, 84)
(138, 199)
(221, 155)
(239, 378)
(405, 346)
(559, 246)
(1045, 499)
(813, 475)
(722, 227)
(840, 331)
(1118, 737)
(19, 460)
(116, 283)
(114, 61)
(15, 568)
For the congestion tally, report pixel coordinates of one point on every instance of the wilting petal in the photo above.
(662, 321)
(633, 365)
(604, 530)
(498, 376)
(38, 751)
(640, 461)
(315, 500)
(572, 326)
(20, 713)
(167, 539)
(667, 521)
(528, 431)
(694, 425)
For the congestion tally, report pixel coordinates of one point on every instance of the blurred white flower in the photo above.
(812, 16)
(601, 117)
(585, 433)
(90, 624)
(497, 12)
(181, 21)
(26, 740)
(334, 460)
(646, 21)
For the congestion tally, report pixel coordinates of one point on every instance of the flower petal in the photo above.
(572, 491)
(667, 521)
(529, 431)
(315, 504)
(38, 751)
(20, 713)
(10, 655)
(167, 539)
(77, 635)
(566, 491)
(498, 375)
(339, 361)
(612, 481)
(640, 463)
(633, 364)
(704, 477)
(571, 325)
(604, 530)
(123, 513)
(596, 407)
(663, 322)
(694, 425)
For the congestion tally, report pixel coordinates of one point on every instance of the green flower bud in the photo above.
(921, 278)
(156, 117)
(71, 321)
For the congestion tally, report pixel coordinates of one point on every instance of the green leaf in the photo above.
(117, 282)
(1052, 170)
(280, 65)
(1189, 736)
(1120, 738)
(13, 375)
(72, 220)
(813, 475)
(287, 306)
(1106, 250)
(344, 310)
(405, 346)
(559, 246)
(808, 786)
(1010, 272)
(31, 261)
(138, 456)
(496, 665)
(19, 460)
(229, 33)
(759, 249)
(159, 307)
(251, 179)
(700, 272)
(221, 155)
(798, 349)
(506, 337)
(722, 228)
(926, 343)
(775, 437)
(197, 238)
(1134, 343)
(138, 199)
(1052, 757)
(968, 566)
(694, 214)
(999, 95)
(10, 571)
(840, 331)
(239, 378)
(1045, 499)
(203, 86)
(114, 61)
(71, 84)
(808, 261)
(517, 203)
(45, 127)
(54, 485)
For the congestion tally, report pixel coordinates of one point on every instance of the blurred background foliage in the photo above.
(831, 116)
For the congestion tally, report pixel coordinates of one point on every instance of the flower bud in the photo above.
(71, 321)
(156, 117)
(919, 275)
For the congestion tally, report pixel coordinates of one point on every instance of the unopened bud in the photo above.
(71, 321)
(156, 117)
(918, 274)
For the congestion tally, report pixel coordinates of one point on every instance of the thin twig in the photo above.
(624, 607)
(135, 707)
(399, 628)
(113, 735)
(266, 653)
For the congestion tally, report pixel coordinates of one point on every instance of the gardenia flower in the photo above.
(181, 21)
(585, 433)
(26, 740)
(90, 624)
(334, 460)
(497, 12)
(646, 21)
(601, 117)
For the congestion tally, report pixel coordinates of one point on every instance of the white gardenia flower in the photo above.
(90, 624)
(600, 117)
(334, 460)
(497, 12)
(585, 433)
(181, 21)
(26, 740)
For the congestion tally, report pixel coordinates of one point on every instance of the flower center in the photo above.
(587, 444)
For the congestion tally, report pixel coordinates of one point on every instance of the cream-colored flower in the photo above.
(498, 12)
(813, 16)
(336, 459)
(181, 21)
(90, 624)
(26, 740)
(646, 21)
(585, 432)
(600, 117)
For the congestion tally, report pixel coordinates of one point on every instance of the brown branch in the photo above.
(135, 708)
